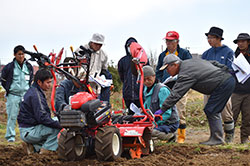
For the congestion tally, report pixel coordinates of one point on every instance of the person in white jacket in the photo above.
(98, 65)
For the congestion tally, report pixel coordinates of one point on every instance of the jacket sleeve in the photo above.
(187, 55)
(219, 65)
(121, 70)
(159, 73)
(60, 99)
(4, 75)
(182, 85)
(40, 113)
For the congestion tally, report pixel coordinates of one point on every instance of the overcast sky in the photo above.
(53, 24)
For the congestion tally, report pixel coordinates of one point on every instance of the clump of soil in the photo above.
(171, 154)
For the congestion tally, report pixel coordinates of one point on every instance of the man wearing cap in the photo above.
(241, 94)
(224, 55)
(98, 65)
(173, 47)
(210, 78)
(155, 94)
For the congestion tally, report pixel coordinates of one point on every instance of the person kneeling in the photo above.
(37, 129)
(155, 94)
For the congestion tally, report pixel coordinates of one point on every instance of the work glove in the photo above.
(158, 112)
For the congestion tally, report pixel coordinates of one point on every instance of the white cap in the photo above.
(97, 38)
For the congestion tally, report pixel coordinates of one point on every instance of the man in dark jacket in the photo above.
(130, 89)
(224, 55)
(173, 47)
(241, 95)
(210, 78)
(16, 79)
(36, 126)
(66, 89)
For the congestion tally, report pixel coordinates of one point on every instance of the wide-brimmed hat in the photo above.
(242, 36)
(97, 38)
(216, 32)
(171, 58)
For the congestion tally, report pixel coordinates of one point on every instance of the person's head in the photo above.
(171, 63)
(43, 78)
(127, 44)
(19, 54)
(214, 36)
(149, 76)
(172, 40)
(96, 42)
(243, 41)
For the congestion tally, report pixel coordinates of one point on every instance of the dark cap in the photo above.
(242, 36)
(168, 60)
(216, 32)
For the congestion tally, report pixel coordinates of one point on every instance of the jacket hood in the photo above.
(127, 44)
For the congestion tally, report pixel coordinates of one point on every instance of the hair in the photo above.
(42, 75)
(19, 48)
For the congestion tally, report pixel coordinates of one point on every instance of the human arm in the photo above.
(121, 70)
(158, 72)
(41, 111)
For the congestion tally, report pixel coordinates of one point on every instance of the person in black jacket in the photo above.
(130, 89)
(241, 94)
(36, 126)
(16, 79)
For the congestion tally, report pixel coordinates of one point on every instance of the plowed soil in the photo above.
(173, 154)
(190, 153)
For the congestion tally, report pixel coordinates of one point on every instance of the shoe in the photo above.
(47, 152)
(229, 131)
(169, 137)
(28, 148)
(12, 139)
(216, 131)
(244, 140)
(229, 137)
(155, 133)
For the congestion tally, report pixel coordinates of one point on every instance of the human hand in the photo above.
(158, 112)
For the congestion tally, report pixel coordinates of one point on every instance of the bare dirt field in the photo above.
(189, 153)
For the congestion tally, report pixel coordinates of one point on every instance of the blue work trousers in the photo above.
(40, 136)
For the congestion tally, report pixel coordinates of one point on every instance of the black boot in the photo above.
(216, 130)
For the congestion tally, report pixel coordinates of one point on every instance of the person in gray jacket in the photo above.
(207, 77)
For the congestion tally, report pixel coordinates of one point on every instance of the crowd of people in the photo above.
(212, 75)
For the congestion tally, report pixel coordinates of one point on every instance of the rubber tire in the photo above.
(67, 149)
(105, 138)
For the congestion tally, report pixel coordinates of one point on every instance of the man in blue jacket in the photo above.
(16, 79)
(37, 129)
(130, 89)
(224, 55)
(173, 47)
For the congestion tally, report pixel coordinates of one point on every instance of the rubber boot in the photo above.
(229, 131)
(215, 124)
(181, 133)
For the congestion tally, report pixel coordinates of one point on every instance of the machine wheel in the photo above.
(71, 146)
(108, 143)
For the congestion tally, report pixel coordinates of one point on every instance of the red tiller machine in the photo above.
(87, 121)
